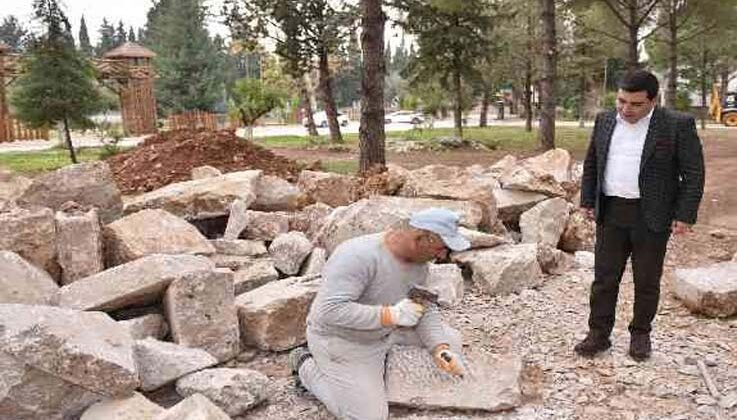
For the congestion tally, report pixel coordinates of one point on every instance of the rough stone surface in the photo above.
(151, 325)
(449, 182)
(482, 239)
(511, 203)
(532, 179)
(265, 226)
(710, 291)
(396, 176)
(233, 262)
(545, 222)
(555, 162)
(23, 282)
(554, 261)
(260, 272)
(194, 407)
(137, 283)
(27, 393)
(88, 184)
(31, 233)
(289, 251)
(274, 194)
(160, 363)
(310, 219)
(87, 349)
(503, 165)
(579, 234)
(274, 317)
(201, 313)
(447, 281)
(206, 171)
(135, 407)
(152, 232)
(413, 380)
(237, 220)
(239, 247)
(504, 269)
(315, 262)
(584, 259)
(233, 390)
(378, 213)
(78, 244)
(12, 185)
(329, 188)
(202, 198)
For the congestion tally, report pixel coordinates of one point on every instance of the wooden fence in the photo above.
(193, 120)
(12, 130)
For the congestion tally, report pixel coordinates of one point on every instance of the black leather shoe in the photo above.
(592, 345)
(640, 347)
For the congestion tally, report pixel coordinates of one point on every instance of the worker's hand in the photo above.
(448, 361)
(406, 313)
(679, 228)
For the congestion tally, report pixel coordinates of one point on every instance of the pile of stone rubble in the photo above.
(105, 298)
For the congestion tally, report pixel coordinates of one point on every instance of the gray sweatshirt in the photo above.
(360, 276)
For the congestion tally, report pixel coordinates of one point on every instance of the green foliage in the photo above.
(84, 39)
(107, 38)
(188, 63)
(252, 99)
(12, 33)
(58, 82)
(120, 37)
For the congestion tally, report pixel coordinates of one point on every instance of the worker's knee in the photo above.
(365, 404)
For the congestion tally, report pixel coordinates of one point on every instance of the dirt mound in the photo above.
(169, 157)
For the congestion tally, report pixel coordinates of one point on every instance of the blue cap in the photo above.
(442, 222)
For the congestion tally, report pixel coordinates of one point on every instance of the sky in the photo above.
(131, 12)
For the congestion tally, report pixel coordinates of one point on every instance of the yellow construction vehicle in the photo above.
(724, 111)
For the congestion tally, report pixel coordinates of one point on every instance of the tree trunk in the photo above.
(633, 56)
(546, 132)
(514, 106)
(326, 88)
(371, 132)
(724, 80)
(484, 108)
(527, 102)
(704, 88)
(458, 105)
(672, 88)
(307, 106)
(583, 86)
(68, 139)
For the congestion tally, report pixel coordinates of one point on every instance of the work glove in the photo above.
(406, 313)
(448, 361)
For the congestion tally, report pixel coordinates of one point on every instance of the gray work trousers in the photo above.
(348, 376)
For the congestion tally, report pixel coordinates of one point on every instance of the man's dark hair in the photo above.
(639, 80)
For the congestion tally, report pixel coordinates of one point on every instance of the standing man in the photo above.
(643, 179)
(362, 309)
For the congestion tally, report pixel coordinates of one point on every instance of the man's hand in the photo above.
(447, 360)
(406, 313)
(680, 228)
(588, 212)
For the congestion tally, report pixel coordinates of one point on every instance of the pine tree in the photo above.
(107, 38)
(131, 35)
(120, 37)
(58, 83)
(12, 33)
(84, 39)
(187, 62)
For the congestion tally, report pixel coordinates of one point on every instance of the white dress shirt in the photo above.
(622, 172)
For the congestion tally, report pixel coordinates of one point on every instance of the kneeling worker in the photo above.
(362, 309)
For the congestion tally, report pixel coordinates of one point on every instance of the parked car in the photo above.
(321, 119)
(409, 117)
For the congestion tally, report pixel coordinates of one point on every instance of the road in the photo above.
(279, 130)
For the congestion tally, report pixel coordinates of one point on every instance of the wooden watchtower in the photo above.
(129, 72)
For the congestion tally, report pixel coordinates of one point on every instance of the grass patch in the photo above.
(340, 166)
(299, 142)
(35, 162)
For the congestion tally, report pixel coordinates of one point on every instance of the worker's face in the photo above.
(634, 106)
(430, 246)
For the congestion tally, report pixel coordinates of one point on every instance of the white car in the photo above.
(409, 117)
(321, 119)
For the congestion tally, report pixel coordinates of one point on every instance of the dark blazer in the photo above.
(671, 170)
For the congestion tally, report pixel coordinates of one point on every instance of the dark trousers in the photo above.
(621, 233)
